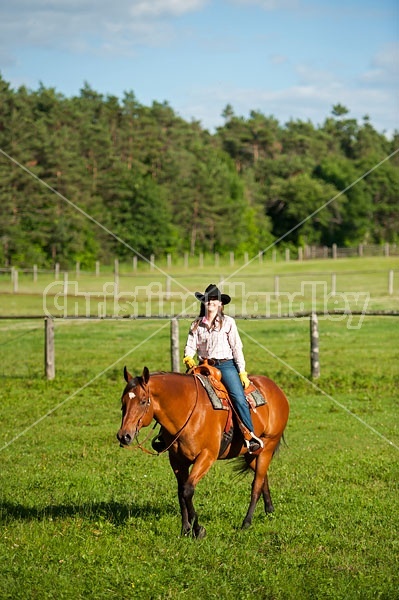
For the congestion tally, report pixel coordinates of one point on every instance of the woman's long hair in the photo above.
(217, 320)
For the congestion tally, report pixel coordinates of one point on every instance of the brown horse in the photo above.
(193, 429)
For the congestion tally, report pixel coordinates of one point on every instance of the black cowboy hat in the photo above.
(212, 291)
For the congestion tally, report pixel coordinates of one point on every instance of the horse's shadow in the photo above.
(114, 512)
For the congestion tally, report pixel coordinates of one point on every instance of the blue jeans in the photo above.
(232, 382)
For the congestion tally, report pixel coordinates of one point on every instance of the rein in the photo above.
(179, 432)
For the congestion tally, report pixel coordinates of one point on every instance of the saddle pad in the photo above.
(257, 398)
(214, 398)
(253, 395)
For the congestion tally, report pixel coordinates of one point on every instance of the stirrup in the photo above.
(254, 445)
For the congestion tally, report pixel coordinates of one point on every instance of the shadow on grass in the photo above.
(114, 512)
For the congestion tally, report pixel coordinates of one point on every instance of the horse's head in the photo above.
(137, 411)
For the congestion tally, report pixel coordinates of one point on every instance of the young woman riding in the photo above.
(214, 336)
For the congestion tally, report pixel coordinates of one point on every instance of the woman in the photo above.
(214, 336)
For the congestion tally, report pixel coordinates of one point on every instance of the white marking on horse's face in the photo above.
(132, 395)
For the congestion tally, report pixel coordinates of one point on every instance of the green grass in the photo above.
(82, 518)
(252, 288)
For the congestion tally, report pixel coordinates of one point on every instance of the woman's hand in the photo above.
(244, 379)
(189, 362)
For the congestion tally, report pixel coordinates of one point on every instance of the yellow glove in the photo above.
(244, 379)
(189, 362)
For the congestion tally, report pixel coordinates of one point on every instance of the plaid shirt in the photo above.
(221, 341)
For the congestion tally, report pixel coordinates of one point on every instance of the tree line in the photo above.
(165, 185)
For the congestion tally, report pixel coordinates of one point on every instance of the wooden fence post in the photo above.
(174, 345)
(314, 347)
(390, 282)
(276, 285)
(333, 284)
(116, 280)
(167, 294)
(65, 284)
(49, 353)
(14, 276)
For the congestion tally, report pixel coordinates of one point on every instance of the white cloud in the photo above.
(312, 101)
(384, 68)
(308, 75)
(269, 5)
(45, 23)
(160, 8)
(278, 59)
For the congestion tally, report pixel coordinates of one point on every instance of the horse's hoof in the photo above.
(200, 533)
(245, 525)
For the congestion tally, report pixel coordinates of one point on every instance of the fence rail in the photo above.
(49, 344)
(164, 291)
(301, 253)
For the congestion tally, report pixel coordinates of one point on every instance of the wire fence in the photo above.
(312, 317)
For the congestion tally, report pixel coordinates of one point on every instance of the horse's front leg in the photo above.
(185, 519)
(202, 464)
(181, 471)
(194, 528)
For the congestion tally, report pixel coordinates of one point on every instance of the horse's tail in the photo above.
(241, 465)
(278, 447)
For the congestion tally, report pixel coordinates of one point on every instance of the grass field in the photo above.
(82, 518)
(257, 289)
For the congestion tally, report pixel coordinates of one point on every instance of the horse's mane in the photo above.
(166, 373)
(134, 381)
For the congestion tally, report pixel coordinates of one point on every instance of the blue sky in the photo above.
(293, 59)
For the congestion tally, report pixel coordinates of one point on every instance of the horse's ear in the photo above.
(146, 375)
(126, 374)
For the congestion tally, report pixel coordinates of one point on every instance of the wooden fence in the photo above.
(49, 345)
(116, 276)
(189, 261)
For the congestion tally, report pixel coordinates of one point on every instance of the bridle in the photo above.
(146, 404)
(177, 434)
(146, 409)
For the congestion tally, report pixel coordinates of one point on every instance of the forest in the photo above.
(165, 185)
